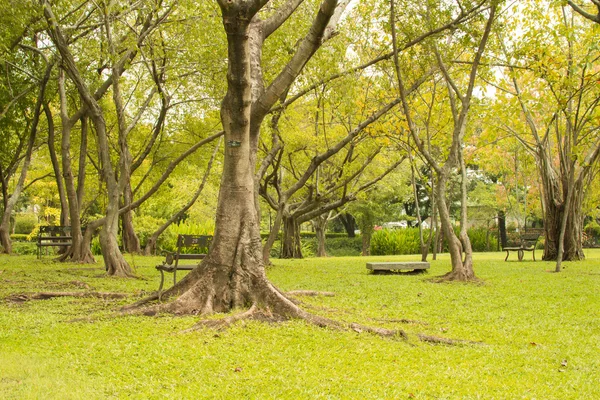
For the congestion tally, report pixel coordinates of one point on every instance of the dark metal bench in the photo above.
(53, 236)
(528, 242)
(189, 247)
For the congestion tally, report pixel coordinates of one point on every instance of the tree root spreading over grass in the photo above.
(22, 297)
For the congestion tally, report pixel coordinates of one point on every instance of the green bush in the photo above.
(395, 241)
(478, 239)
(19, 237)
(25, 222)
(406, 241)
(24, 248)
(343, 246)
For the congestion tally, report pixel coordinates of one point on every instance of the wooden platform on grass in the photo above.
(397, 266)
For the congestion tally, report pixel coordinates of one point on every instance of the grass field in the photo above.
(539, 334)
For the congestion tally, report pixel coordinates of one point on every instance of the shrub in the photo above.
(19, 237)
(343, 246)
(395, 241)
(406, 241)
(25, 222)
(478, 239)
(24, 248)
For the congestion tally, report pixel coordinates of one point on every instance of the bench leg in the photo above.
(174, 276)
(162, 281)
(533, 254)
(520, 254)
(507, 253)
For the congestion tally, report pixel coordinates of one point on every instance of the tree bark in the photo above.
(366, 241)
(320, 224)
(232, 275)
(349, 223)
(131, 242)
(291, 245)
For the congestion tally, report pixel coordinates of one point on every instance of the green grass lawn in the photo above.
(529, 321)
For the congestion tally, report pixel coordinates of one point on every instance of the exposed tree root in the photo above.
(21, 297)
(454, 276)
(379, 331)
(401, 321)
(440, 340)
(311, 293)
(78, 284)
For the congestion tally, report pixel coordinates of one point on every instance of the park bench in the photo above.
(382, 267)
(53, 236)
(527, 242)
(189, 247)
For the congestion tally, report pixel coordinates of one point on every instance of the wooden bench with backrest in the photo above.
(189, 247)
(53, 236)
(527, 242)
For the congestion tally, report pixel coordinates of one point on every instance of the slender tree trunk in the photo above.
(423, 245)
(460, 270)
(64, 207)
(131, 242)
(366, 241)
(82, 162)
(464, 225)
(272, 236)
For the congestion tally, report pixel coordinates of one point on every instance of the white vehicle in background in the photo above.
(395, 225)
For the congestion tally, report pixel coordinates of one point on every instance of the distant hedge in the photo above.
(309, 235)
(406, 241)
(19, 237)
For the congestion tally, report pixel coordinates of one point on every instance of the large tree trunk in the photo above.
(232, 275)
(554, 212)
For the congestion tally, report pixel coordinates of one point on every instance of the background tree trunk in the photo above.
(291, 245)
(131, 242)
(320, 224)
